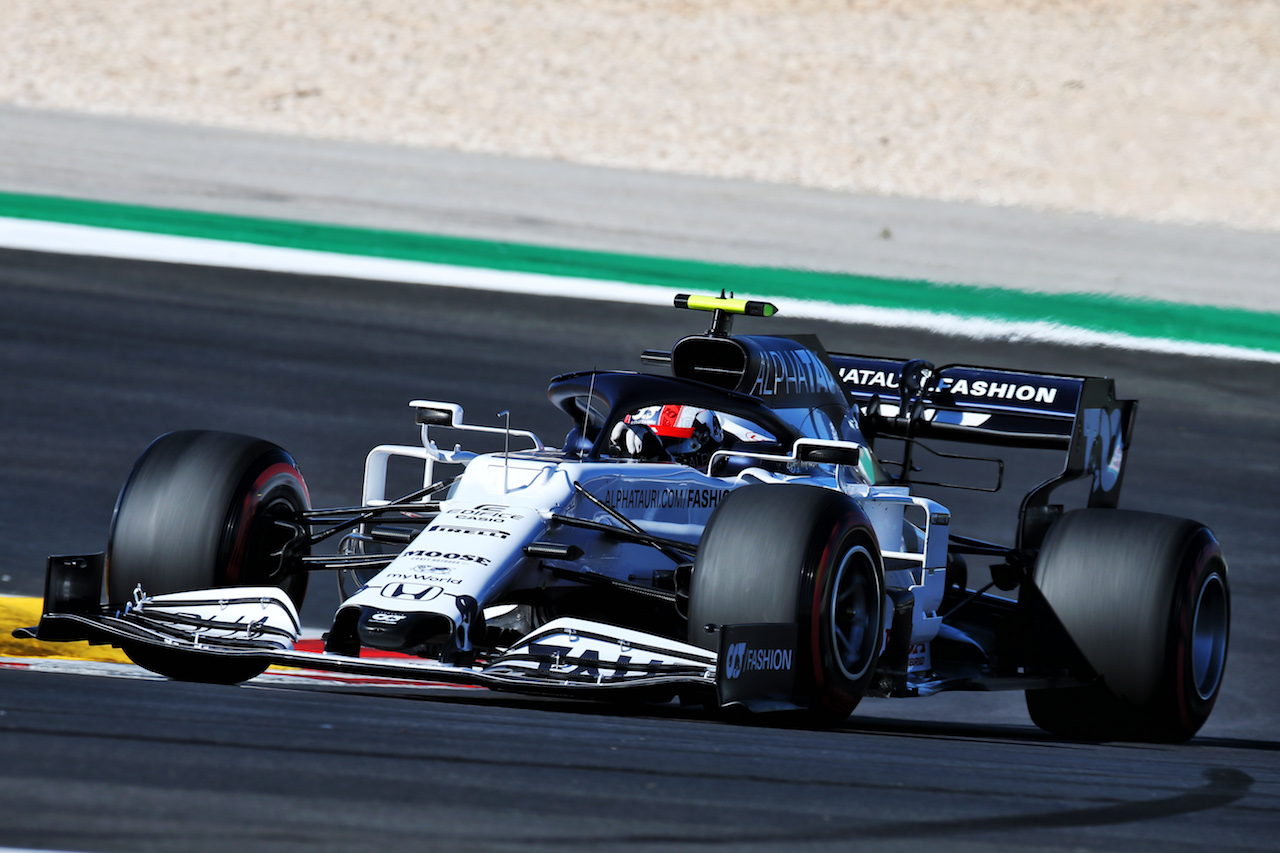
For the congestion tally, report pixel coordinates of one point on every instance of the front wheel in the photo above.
(203, 510)
(803, 554)
(1145, 599)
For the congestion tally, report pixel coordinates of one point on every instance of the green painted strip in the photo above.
(1141, 318)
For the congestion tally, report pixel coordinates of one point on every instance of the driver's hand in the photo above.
(635, 440)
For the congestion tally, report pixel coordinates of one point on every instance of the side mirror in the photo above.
(435, 417)
(829, 455)
(432, 413)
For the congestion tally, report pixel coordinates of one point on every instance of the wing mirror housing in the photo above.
(829, 454)
(431, 413)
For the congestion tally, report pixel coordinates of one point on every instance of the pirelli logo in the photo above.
(471, 531)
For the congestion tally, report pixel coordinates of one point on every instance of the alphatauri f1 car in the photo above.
(724, 534)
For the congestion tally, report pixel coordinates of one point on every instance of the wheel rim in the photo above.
(267, 539)
(1209, 636)
(854, 596)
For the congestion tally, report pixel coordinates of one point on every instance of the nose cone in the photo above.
(411, 633)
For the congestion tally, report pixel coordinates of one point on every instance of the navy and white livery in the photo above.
(749, 527)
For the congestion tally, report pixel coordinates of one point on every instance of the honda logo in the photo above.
(416, 591)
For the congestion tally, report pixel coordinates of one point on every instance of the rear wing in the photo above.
(1080, 415)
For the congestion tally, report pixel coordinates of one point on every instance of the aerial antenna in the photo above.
(506, 451)
(586, 412)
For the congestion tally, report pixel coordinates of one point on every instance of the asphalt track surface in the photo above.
(101, 356)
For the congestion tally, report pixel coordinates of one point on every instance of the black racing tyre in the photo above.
(1145, 599)
(199, 511)
(803, 554)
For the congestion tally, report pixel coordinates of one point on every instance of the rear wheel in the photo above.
(1145, 599)
(777, 554)
(202, 510)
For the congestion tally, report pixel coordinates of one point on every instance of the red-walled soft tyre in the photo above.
(200, 511)
(1145, 599)
(803, 554)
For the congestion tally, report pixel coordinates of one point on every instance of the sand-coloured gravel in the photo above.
(1154, 109)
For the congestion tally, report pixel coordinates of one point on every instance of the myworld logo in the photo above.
(739, 660)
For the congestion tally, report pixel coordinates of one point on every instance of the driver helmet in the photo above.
(690, 434)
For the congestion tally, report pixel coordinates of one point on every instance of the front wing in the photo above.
(566, 657)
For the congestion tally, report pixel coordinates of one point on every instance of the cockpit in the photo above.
(750, 393)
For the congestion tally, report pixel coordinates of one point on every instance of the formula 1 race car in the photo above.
(725, 535)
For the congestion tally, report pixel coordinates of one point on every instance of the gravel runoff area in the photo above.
(1157, 110)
